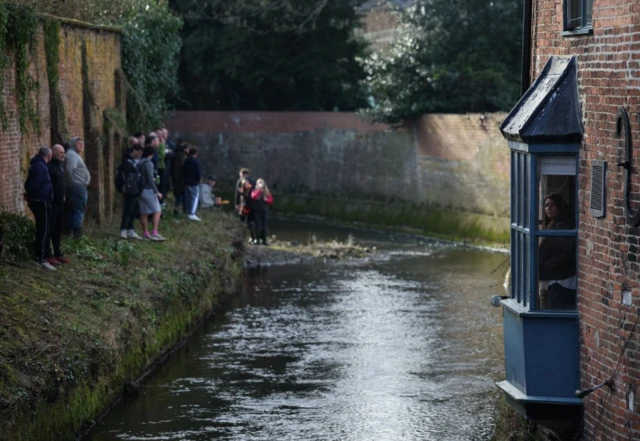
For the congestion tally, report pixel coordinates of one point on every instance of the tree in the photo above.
(453, 56)
(271, 55)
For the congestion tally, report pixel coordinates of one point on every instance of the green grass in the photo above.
(70, 339)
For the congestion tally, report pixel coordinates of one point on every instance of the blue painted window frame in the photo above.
(525, 234)
(579, 25)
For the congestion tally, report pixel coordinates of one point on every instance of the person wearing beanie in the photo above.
(56, 172)
(77, 179)
(207, 198)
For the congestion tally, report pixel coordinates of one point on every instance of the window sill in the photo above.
(578, 32)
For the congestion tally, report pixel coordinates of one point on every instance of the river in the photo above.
(401, 346)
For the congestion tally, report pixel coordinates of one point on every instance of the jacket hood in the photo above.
(38, 158)
(72, 143)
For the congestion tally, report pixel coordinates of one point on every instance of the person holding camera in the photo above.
(261, 199)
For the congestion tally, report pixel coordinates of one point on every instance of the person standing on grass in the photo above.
(130, 201)
(192, 171)
(262, 198)
(178, 176)
(245, 211)
(56, 173)
(149, 198)
(243, 174)
(39, 196)
(77, 180)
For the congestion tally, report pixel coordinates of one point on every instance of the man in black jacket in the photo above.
(192, 171)
(39, 195)
(56, 173)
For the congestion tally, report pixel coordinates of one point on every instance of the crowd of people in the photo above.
(56, 191)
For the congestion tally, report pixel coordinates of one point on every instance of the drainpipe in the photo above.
(526, 47)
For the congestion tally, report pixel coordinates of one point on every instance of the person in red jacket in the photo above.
(261, 199)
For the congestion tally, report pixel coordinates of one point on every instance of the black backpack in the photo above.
(130, 183)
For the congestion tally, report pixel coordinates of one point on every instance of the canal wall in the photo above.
(73, 86)
(72, 341)
(444, 174)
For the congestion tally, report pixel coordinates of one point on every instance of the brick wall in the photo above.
(458, 162)
(102, 49)
(609, 78)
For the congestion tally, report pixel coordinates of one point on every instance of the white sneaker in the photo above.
(157, 238)
(46, 265)
(132, 235)
(123, 234)
(194, 217)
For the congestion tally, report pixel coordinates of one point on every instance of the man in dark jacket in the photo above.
(178, 176)
(192, 171)
(56, 173)
(39, 195)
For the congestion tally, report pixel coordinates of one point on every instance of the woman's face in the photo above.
(551, 209)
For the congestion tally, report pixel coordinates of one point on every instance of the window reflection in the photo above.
(557, 256)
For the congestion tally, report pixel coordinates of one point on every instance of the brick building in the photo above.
(380, 21)
(584, 56)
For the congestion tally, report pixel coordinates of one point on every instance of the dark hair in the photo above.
(563, 211)
(136, 146)
(244, 171)
(212, 177)
(137, 134)
(148, 151)
(193, 150)
(65, 146)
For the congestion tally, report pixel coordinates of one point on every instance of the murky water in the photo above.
(404, 346)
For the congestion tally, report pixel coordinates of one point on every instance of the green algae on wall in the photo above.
(422, 219)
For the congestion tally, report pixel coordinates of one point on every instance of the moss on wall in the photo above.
(421, 219)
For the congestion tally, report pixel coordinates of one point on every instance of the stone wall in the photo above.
(609, 252)
(454, 162)
(89, 85)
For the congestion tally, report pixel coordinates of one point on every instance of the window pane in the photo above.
(557, 273)
(573, 13)
(557, 190)
(588, 12)
(525, 192)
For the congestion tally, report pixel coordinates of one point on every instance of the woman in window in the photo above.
(557, 258)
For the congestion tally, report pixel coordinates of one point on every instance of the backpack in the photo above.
(130, 183)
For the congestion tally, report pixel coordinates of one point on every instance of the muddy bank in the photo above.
(71, 340)
(280, 252)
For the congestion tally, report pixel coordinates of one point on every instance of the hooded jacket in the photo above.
(76, 171)
(192, 171)
(38, 184)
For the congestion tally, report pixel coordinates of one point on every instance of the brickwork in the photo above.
(458, 162)
(16, 148)
(609, 78)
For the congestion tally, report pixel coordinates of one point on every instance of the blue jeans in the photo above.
(77, 196)
(192, 193)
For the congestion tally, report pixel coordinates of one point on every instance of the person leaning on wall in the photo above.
(77, 180)
(39, 196)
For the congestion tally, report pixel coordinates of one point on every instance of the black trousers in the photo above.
(261, 218)
(42, 212)
(129, 212)
(57, 217)
(251, 224)
(164, 183)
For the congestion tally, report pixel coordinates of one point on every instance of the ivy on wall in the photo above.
(59, 130)
(18, 32)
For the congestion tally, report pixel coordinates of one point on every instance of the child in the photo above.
(262, 198)
(207, 198)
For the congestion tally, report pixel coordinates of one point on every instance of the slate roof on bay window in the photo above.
(549, 112)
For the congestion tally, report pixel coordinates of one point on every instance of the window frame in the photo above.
(586, 20)
(525, 232)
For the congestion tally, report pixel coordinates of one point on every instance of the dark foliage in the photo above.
(453, 56)
(276, 59)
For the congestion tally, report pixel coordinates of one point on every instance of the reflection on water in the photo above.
(402, 347)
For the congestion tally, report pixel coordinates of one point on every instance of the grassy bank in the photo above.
(71, 340)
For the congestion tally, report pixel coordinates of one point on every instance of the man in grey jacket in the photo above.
(77, 178)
